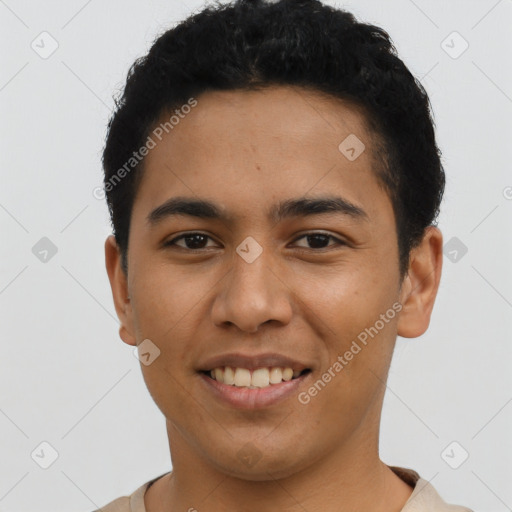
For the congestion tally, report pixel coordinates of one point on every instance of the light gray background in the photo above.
(67, 379)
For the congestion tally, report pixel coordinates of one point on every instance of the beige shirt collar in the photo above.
(424, 497)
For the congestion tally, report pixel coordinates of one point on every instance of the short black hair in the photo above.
(253, 44)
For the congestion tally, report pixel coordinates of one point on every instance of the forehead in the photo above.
(245, 146)
(277, 114)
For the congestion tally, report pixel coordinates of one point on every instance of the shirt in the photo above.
(424, 497)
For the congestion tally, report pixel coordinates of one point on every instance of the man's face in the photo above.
(307, 299)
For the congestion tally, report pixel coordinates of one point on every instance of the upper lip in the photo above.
(252, 362)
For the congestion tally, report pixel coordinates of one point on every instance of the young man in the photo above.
(273, 178)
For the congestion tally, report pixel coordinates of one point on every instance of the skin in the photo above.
(246, 151)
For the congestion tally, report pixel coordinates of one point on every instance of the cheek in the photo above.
(165, 386)
(163, 314)
(354, 312)
(168, 296)
(347, 302)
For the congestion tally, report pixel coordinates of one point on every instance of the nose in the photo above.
(252, 294)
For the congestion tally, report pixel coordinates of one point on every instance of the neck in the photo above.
(347, 479)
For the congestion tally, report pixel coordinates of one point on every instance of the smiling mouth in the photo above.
(254, 379)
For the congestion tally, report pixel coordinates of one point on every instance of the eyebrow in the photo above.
(300, 207)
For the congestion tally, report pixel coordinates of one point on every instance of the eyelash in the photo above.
(172, 243)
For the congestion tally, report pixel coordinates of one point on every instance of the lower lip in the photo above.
(246, 398)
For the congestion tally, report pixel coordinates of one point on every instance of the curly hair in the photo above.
(252, 44)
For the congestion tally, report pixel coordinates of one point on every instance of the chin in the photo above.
(253, 465)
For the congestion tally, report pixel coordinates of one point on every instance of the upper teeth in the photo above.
(260, 378)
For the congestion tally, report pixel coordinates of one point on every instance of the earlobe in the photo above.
(119, 287)
(420, 286)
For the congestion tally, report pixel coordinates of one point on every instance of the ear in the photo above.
(119, 286)
(419, 287)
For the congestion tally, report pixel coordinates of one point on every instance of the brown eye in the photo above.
(319, 240)
(192, 241)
